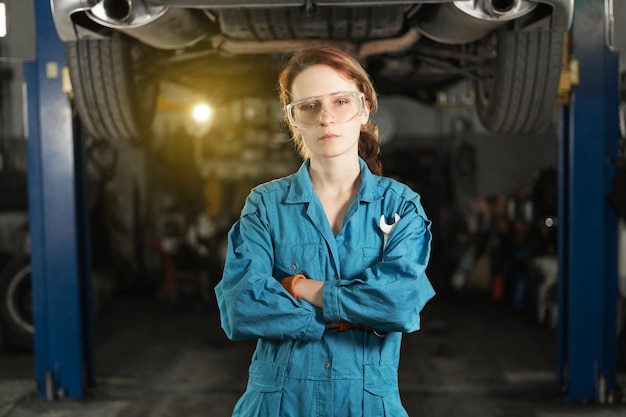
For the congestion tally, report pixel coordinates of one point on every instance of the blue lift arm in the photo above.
(588, 143)
(58, 222)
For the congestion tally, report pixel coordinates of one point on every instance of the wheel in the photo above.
(113, 97)
(16, 305)
(517, 92)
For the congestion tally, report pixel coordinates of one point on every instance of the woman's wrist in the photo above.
(310, 290)
(289, 284)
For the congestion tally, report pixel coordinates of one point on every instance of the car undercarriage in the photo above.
(509, 50)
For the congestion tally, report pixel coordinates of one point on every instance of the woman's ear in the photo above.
(365, 117)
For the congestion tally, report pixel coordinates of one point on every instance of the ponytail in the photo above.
(369, 149)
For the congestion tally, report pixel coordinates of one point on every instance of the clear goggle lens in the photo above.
(343, 107)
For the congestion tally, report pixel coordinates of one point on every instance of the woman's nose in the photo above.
(326, 117)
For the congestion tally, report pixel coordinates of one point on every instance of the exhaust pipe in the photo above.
(466, 21)
(361, 51)
(158, 26)
(499, 7)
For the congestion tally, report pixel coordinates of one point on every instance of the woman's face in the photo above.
(328, 137)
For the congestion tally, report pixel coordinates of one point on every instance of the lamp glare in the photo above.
(202, 112)
(3, 20)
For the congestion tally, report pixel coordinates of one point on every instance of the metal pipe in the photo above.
(500, 7)
(462, 22)
(117, 10)
(361, 50)
(158, 26)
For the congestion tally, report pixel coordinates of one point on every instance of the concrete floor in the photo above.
(472, 358)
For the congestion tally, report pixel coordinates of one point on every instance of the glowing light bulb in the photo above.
(3, 20)
(202, 112)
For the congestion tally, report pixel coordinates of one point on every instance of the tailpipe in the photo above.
(467, 21)
(158, 26)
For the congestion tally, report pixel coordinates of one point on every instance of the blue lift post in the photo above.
(588, 225)
(58, 223)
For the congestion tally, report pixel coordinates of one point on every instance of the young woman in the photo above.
(326, 267)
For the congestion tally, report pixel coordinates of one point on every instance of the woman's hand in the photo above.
(342, 326)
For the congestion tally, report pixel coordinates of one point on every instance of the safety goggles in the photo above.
(343, 107)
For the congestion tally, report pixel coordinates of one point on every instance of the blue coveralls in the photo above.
(299, 369)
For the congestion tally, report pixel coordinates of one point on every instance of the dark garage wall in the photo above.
(503, 162)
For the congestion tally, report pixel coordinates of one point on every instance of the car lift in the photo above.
(588, 145)
(62, 307)
(587, 232)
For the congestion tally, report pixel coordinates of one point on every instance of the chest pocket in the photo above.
(301, 258)
(371, 256)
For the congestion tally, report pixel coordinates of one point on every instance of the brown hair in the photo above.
(350, 69)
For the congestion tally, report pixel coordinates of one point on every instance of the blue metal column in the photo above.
(588, 225)
(58, 223)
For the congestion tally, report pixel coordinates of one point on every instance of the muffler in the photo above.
(466, 21)
(158, 26)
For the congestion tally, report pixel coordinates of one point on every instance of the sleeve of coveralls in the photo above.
(253, 304)
(390, 295)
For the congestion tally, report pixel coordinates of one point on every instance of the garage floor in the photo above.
(472, 357)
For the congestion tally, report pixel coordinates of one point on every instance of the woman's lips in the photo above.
(328, 136)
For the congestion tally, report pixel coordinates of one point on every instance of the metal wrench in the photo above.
(387, 228)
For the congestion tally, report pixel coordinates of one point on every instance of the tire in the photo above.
(113, 100)
(16, 305)
(518, 93)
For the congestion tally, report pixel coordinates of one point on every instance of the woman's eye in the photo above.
(342, 101)
(309, 107)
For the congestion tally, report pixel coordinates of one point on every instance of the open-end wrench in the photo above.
(387, 228)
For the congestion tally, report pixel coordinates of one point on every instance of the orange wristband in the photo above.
(289, 284)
